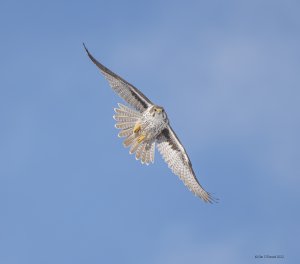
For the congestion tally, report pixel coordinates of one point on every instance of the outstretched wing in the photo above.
(124, 89)
(178, 161)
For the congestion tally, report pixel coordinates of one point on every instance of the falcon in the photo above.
(145, 125)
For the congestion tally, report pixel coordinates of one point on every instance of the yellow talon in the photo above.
(140, 138)
(137, 128)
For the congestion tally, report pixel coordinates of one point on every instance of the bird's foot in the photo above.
(141, 138)
(137, 128)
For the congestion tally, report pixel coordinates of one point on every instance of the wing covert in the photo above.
(124, 89)
(178, 161)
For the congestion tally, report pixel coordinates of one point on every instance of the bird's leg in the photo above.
(141, 138)
(137, 127)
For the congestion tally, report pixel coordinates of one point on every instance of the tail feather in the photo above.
(124, 125)
(143, 157)
(126, 119)
(127, 109)
(125, 132)
(129, 140)
(152, 152)
(147, 153)
(135, 145)
(124, 112)
(140, 151)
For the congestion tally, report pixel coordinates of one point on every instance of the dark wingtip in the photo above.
(209, 198)
(85, 48)
(91, 57)
(212, 199)
(98, 64)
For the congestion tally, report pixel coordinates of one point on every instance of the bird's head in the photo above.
(158, 111)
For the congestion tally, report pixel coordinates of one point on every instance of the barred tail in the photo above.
(126, 119)
(145, 152)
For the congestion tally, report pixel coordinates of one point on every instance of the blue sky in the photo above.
(227, 73)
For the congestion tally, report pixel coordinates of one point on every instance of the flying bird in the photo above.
(145, 125)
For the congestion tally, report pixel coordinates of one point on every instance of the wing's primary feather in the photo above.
(127, 91)
(178, 161)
